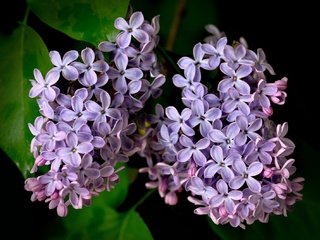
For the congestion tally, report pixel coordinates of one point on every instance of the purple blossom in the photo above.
(181, 82)
(197, 187)
(76, 112)
(260, 61)
(130, 29)
(76, 194)
(247, 130)
(179, 121)
(262, 151)
(263, 91)
(152, 89)
(221, 164)
(120, 74)
(63, 65)
(216, 51)
(89, 123)
(71, 153)
(225, 197)
(89, 67)
(235, 57)
(44, 86)
(203, 118)
(52, 182)
(101, 112)
(236, 100)
(192, 150)
(192, 66)
(226, 139)
(51, 137)
(286, 145)
(246, 175)
(234, 142)
(168, 139)
(79, 127)
(234, 79)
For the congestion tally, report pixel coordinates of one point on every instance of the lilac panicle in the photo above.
(221, 146)
(89, 127)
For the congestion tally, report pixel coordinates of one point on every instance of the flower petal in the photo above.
(237, 182)
(184, 155)
(255, 168)
(253, 185)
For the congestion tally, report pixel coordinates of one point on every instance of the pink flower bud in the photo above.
(222, 211)
(62, 209)
(282, 84)
(268, 173)
(268, 111)
(171, 198)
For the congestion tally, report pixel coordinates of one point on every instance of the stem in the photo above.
(148, 194)
(169, 59)
(26, 15)
(175, 24)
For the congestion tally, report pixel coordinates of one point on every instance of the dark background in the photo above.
(286, 32)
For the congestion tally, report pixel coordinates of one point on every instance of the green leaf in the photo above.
(20, 53)
(302, 222)
(86, 20)
(102, 222)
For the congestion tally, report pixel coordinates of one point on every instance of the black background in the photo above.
(286, 32)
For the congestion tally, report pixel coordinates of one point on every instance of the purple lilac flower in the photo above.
(263, 91)
(120, 74)
(221, 164)
(225, 197)
(89, 127)
(222, 147)
(246, 175)
(246, 130)
(192, 66)
(131, 29)
(192, 149)
(63, 65)
(260, 61)
(216, 52)
(87, 70)
(179, 121)
(42, 86)
(234, 79)
(235, 57)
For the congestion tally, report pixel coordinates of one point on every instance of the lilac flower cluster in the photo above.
(222, 147)
(88, 109)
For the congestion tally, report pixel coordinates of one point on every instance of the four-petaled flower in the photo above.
(69, 72)
(192, 149)
(225, 197)
(246, 175)
(179, 121)
(130, 29)
(221, 163)
(233, 79)
(71, 153)
(44, 86)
